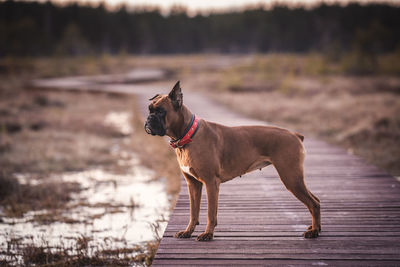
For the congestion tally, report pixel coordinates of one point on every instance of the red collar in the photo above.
(190, 131)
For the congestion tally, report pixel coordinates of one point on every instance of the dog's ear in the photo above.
(176, 96)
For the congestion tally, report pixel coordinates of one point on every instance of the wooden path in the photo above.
(261, 223)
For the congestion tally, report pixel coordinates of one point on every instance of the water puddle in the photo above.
(120, 121)
(114, 210)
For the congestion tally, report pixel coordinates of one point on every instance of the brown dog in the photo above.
(210, 154)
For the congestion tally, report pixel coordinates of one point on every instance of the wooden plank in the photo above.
(269, 252)
(270, 262)
(283, 243)
(289, 256)
(346, 234)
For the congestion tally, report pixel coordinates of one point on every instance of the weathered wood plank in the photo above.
(282, 243)
(270, 262)
(324, 252)
(290, 256)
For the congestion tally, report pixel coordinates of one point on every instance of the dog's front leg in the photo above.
(212, 189)
(194, 188)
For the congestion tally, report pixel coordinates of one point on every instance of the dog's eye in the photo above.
(161, 112)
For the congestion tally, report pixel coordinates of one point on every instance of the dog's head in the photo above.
(164, 111)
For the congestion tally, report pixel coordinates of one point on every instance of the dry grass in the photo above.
(78, 252)
(46, 132)
(28, 68)
(64, 66)
(17, 199)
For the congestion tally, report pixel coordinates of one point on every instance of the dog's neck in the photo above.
(178, 129)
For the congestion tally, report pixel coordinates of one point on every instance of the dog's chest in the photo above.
(186, 169)
(185, 163)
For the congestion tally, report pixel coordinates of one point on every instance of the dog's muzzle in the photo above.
(154, 125)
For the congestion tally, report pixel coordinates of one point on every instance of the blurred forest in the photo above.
(42, 29)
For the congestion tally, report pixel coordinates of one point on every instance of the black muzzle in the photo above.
(154, 125)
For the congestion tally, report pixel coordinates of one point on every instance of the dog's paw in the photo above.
(205, 236)
(183, 234)
(311, 233)
(310, 227)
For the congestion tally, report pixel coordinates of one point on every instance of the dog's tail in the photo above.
(300, 136)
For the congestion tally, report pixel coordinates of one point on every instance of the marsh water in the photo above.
(113, 210)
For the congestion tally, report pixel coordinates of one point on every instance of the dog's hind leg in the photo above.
(317, 199)
(293, 179)
(194, 188)
(314, 196)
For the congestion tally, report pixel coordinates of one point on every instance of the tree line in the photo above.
(40, 29)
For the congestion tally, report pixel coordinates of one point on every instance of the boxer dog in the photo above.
(210, 154)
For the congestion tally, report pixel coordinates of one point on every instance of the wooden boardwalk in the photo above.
(261, 223)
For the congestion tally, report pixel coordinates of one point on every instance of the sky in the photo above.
(203, 6)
